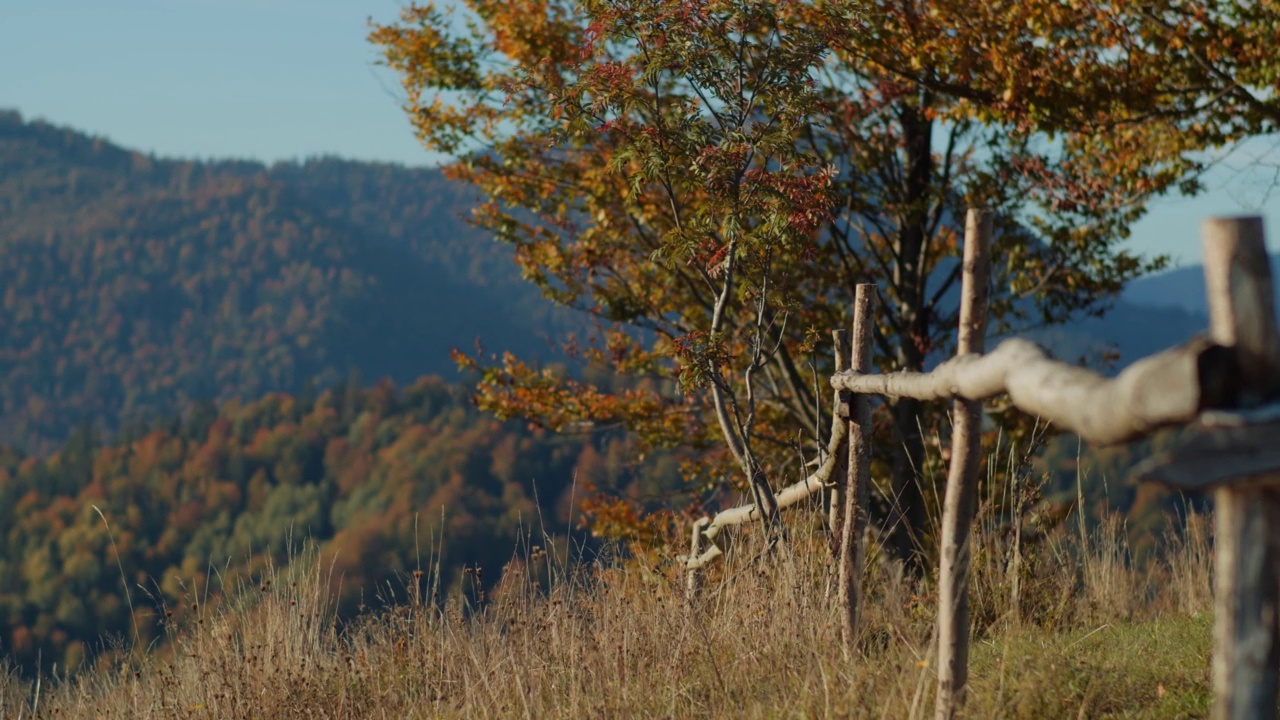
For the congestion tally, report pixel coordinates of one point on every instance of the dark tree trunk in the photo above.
(907, 508)
(911, 277)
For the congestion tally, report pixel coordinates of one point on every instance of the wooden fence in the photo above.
(1225, 384)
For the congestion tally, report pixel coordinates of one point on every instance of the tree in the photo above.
(711, 178)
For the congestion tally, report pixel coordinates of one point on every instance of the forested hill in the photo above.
(134, 286)
(385, 482)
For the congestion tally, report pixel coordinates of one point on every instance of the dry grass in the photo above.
(1091, 637)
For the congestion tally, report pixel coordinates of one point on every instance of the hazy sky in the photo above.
(282, 79)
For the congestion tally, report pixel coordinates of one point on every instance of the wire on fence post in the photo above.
(962, 477)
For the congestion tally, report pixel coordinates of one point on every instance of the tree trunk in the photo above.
(906, 507)
(911, 274)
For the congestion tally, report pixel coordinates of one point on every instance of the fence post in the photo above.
(962, 478)
(852, 555)
(1242, 316)
(839, 479)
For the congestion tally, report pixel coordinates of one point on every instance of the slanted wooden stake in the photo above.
(857, 411)
(693, 578)
(1242, 316)
(962, 479)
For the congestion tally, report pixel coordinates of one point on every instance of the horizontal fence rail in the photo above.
(1169, 388)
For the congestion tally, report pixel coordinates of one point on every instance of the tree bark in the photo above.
(908, 515)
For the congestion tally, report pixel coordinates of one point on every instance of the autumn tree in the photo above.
(711, 178)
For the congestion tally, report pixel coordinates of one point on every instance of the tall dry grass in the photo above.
(1064, 626)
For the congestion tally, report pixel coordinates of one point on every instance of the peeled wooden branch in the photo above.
(1168, 388)
(788, 496)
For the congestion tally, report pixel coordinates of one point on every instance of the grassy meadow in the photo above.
(1064, 627)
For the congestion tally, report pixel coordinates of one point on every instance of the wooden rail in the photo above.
(1165, 389)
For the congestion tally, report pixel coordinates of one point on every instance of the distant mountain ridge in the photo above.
(1181, 287)
(1153, 313)
(132, 286)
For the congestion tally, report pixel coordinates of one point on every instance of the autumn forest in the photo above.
(608, 312)
(207, 367)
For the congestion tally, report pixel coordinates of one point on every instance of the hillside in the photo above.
(1126, 333)
(1090, 635)
(119, 540)
(1181, 288)
(135, 286)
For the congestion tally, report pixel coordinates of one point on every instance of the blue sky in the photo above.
(284, 79)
